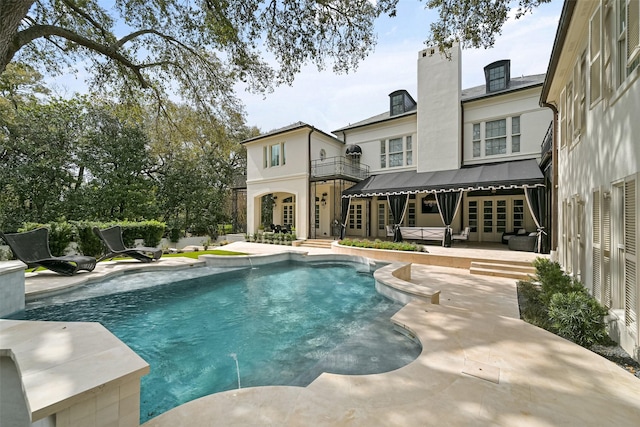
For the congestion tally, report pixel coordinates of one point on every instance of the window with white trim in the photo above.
(628, 38)
(273, 155)
(476, 140)
(495, 134)
(515, 134)
(411, 214)
(396, 152)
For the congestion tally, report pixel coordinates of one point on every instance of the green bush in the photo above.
(578, 317)
(381, 244)
(60, 235)
(553, 280)
(533, 309)
(88, 243)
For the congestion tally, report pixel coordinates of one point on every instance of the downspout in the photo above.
(309, 205)
(554, 186)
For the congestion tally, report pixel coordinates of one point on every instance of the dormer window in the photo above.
(400, 102)
(497, 75)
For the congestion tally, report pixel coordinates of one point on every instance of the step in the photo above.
(506, 261)
(500, 273)
(507, 266)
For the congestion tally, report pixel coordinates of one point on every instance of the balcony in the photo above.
(338, 168)
(547, 146)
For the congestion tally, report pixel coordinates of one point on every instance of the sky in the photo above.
(329, 101)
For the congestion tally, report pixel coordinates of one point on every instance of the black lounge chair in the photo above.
(112, 239)
(32, 248)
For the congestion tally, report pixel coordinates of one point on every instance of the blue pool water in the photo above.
(283, 324)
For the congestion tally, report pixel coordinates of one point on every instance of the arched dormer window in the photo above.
(497, 75)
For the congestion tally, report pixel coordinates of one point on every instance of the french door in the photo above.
(490, 217)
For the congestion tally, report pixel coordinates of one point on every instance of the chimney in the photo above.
(439, 110)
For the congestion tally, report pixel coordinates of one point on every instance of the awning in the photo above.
(497, 176)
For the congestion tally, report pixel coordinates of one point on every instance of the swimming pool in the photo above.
(278, 325)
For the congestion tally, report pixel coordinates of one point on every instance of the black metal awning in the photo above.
(496, 176)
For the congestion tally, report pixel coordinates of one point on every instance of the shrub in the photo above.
(578, 317)
(88, 243)
(60, 235)
(380, 244)
(553, 280)
(533, 309)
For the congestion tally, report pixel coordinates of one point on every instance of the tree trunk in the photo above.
(12, 12)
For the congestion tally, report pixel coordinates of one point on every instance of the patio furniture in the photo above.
(525, 243)
(112, 239)
(509, 234)
(32, 248)
(462, 236)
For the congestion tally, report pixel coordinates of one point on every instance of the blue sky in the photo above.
(328, 101)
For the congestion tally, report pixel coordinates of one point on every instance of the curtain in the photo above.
(448, 204)
(346, 201)
(398, 206)
(537, 201)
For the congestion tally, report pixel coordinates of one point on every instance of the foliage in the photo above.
(60, 235)
(553, 280)
(473, 23)
(196, 49)
(88, 243)
(560, 304)
(380, 244)
(578, 317)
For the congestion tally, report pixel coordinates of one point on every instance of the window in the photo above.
(397, 104)
(273, 155)
(473, 215)
(355, 217)
(518, 214)
(323, 154)
(396, 152)
(563, 118)
(515, 134)
(411, 214)
(569, 111)
(476, 140)
(381, 211)
(595, 43)
(495, 137)
(628, 38)
(579, 95)
(497, 79)
(317, 216)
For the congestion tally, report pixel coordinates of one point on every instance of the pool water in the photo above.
(278, 325)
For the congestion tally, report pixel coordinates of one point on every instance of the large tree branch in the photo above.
(38, 31)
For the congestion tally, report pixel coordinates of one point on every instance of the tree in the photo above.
(198, 49)
(473, 23)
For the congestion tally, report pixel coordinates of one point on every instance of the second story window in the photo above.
(515, 134)
(495, 137)
(476, 140)
(396, 152)
(273, 155)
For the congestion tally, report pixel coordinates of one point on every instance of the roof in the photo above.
(558, 45)
(290, 128)
(515, 84)
(383, 117)
(505, 175)
(470, 94)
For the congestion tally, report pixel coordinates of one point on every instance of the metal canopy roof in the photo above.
(497, 176)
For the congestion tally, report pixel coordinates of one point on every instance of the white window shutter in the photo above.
(630, 267)
(597, 251)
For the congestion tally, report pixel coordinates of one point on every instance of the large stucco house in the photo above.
(481, 145)
(593, 83)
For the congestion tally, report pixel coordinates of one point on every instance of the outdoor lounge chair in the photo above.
(32, 248)
(464, 235)
(112, 239)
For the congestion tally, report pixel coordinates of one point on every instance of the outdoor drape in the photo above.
(398, 206)
(345, 215)
(537, 201)
(448, 203)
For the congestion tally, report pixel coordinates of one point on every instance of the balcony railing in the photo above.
(339, 167)
(547, 144)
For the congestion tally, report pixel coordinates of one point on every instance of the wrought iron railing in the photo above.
(339, 167)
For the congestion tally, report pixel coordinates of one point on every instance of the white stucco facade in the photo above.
(598, 101)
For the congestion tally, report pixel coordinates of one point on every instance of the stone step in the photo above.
(507, 266)
(500, 273)
(317, 243)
